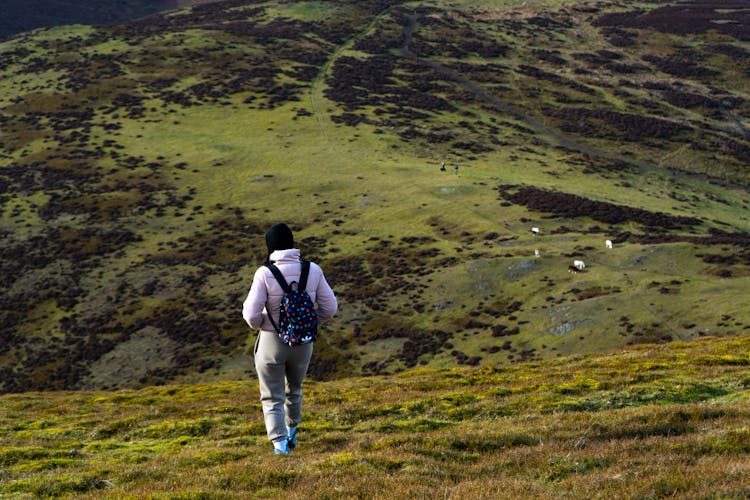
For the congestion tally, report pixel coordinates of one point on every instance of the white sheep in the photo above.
(535, 230)
(537, 253)
(608, 243)
(579, 264)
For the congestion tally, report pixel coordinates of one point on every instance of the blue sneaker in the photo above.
(280, 447)
(291, 441)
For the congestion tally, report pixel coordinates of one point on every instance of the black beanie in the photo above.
(279, 237)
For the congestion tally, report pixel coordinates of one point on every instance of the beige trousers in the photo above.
(281, 370)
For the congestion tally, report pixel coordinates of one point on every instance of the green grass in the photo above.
(207, 179)
(628, 424)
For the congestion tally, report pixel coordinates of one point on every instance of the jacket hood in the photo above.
(288, 255)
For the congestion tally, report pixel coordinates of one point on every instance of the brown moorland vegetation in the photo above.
(140, 163)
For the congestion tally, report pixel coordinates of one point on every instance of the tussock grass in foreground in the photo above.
(648, 422)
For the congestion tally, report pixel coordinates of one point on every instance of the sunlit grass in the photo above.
(647, 421)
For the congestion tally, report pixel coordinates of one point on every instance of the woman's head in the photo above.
(279, 237)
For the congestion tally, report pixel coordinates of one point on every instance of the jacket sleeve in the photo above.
(253, 309)
(327, 303)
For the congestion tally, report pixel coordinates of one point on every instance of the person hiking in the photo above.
(281, 367)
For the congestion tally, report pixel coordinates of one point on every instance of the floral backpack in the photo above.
(298, 321)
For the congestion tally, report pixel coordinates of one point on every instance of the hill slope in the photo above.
(141, 163)
(646, 422)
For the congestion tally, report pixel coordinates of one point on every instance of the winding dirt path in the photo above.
(317, 99)
(554, 136)
(551, 135)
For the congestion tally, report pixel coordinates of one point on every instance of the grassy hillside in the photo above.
(140, 165)
(652, 421)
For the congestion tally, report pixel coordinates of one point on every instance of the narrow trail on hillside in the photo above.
(316, 86)
(552, 135)
(466, 84)
(549, 134)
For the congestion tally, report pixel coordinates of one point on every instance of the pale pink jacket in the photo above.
(265, 292)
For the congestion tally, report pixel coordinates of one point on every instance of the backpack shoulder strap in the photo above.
(279, 277)
(303, 276)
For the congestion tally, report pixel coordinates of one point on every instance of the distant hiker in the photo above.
(442, 167)
(455, 170)
(281, 368)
